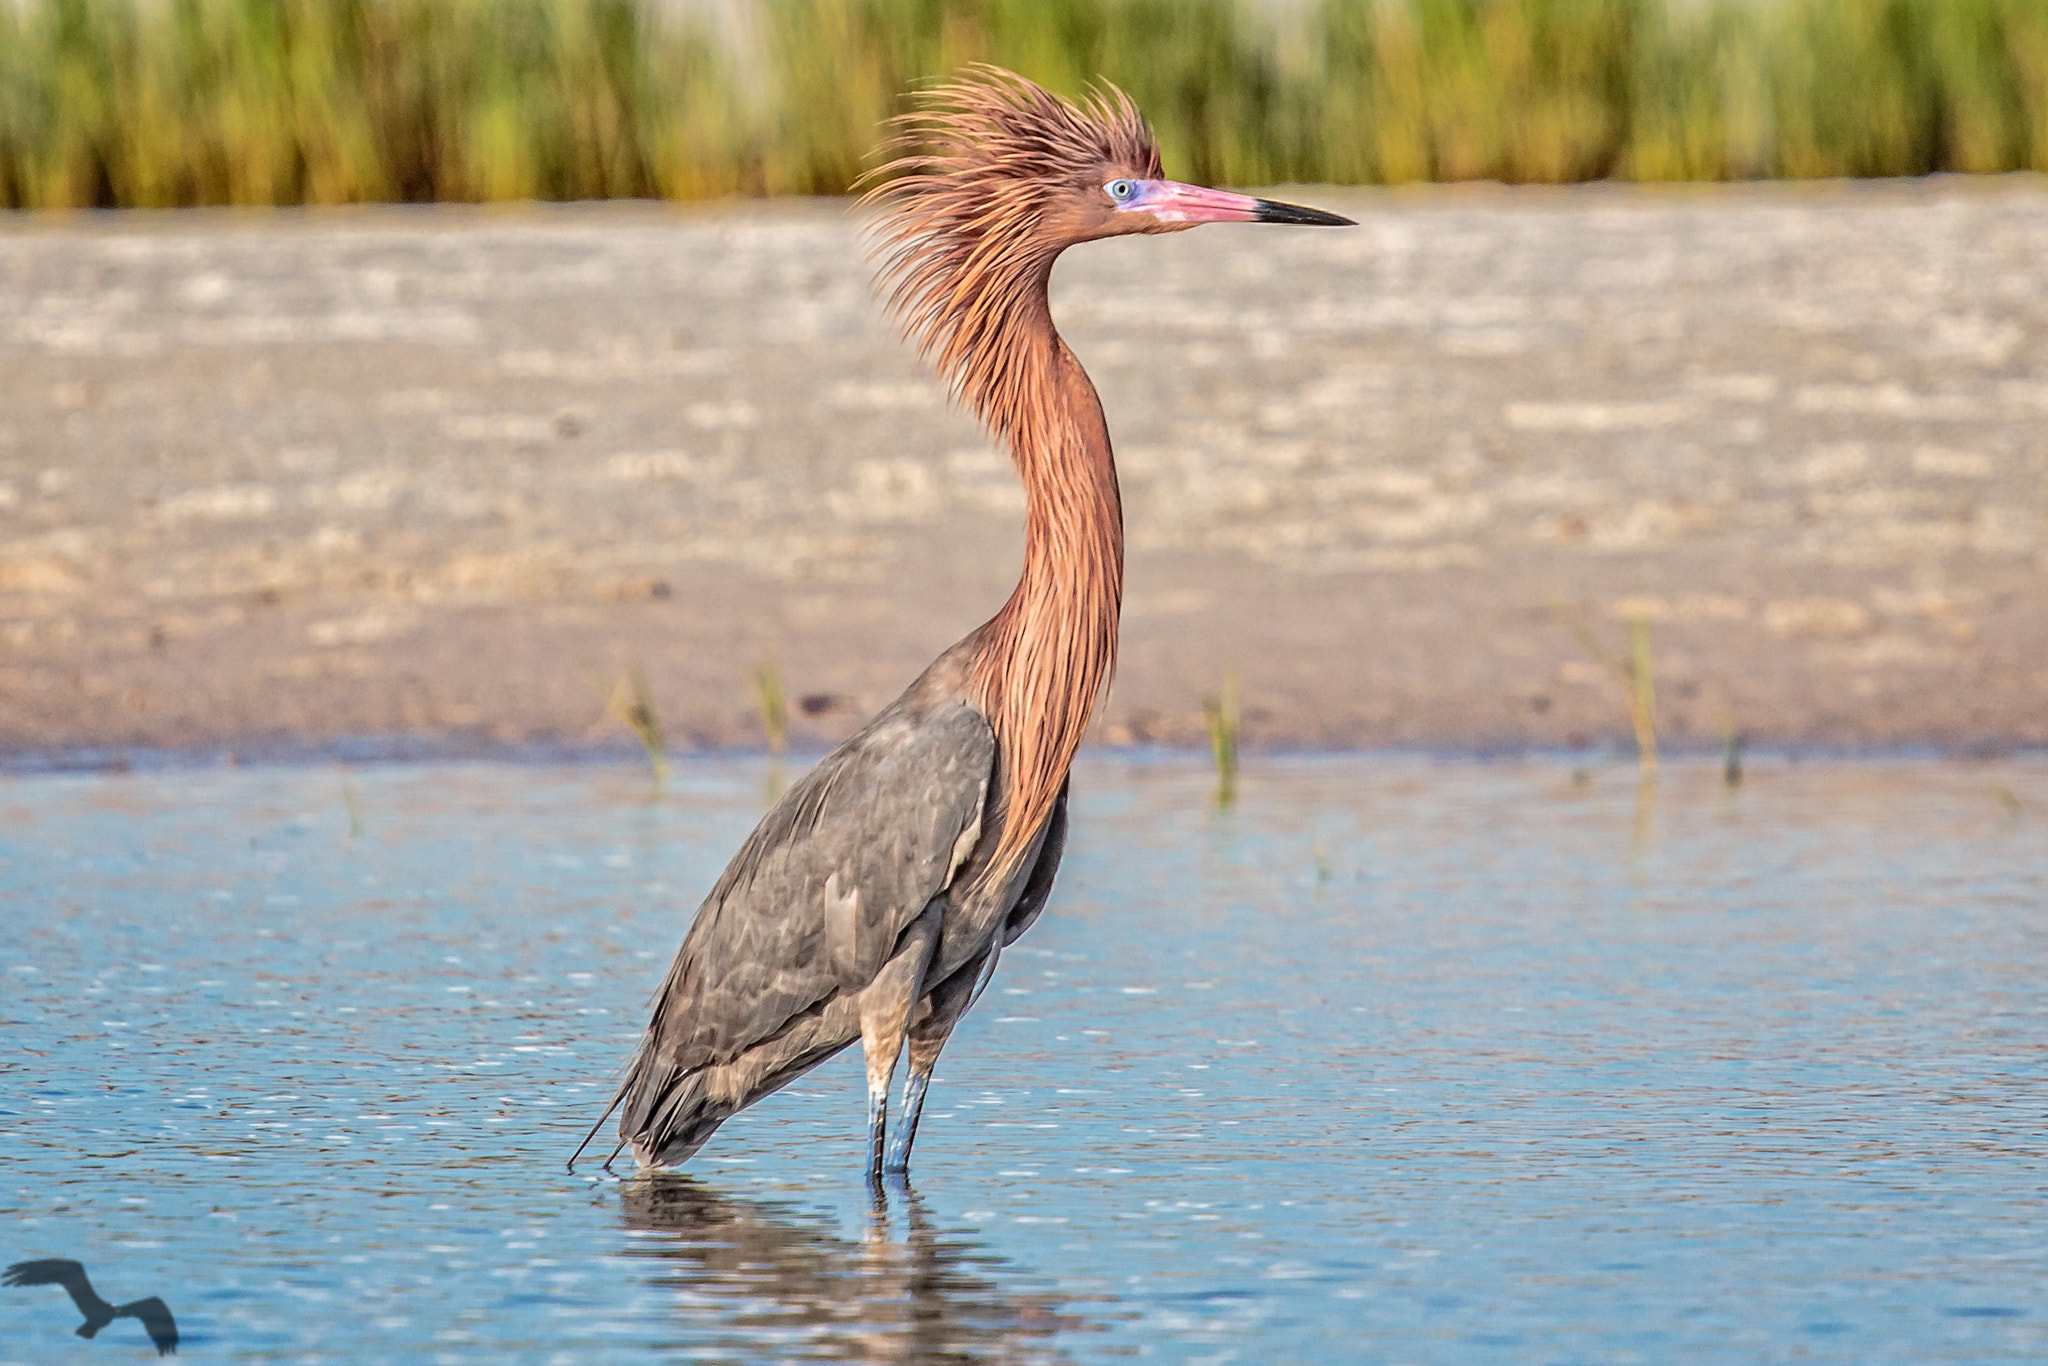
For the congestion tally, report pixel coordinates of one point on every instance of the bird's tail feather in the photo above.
(669, 1113)
(617, 1096)
(665, 1127)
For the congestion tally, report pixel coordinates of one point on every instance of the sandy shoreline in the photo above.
(448, 474)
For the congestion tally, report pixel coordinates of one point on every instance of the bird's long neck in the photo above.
(1042, 662)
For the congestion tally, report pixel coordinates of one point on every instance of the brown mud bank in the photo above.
(453, 473)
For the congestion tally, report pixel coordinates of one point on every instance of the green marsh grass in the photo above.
(1640, 679)
(1220, 716)
(1634, 672)
(633, 706)
(1731, 760)
(170, 102)
(773, 705)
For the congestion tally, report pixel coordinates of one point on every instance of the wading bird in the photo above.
(154, 1313)
(872, 902)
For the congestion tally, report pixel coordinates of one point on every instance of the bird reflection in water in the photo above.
(758, 1275)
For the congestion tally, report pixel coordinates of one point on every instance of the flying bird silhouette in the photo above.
(154, 1313)
(873, 901)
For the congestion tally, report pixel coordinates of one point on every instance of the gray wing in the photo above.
(815, 900)
(156, 1321)
(60, 1271)
(1038, 886)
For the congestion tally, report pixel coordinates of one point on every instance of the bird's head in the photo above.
(992, 155)
(993, 176)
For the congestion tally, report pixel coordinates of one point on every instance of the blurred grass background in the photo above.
(175, 102)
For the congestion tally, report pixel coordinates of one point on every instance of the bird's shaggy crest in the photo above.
(970, 216)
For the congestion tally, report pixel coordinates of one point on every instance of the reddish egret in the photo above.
(873, 901)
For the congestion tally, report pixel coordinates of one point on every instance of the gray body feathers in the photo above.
(769, 980)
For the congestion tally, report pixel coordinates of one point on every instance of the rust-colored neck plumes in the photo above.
(1043, 661)
(969, 232)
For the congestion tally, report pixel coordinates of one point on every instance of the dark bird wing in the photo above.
(816, 899)
(1038, 887)
(65, 1272)
(156, 1320)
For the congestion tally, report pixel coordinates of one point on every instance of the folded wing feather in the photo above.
(815, 900)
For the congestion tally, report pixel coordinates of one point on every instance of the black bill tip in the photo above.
(1272, 211)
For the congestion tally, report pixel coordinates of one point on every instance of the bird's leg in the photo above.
(914, 1083)
(885, 1010)
(946, 1004)
(878, 1122)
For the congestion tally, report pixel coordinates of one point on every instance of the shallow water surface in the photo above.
(1398, 1060)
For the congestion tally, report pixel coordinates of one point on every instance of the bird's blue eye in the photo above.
(1120, 190)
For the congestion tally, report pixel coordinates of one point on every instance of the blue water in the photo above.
(1399, 1060)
